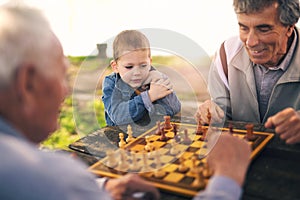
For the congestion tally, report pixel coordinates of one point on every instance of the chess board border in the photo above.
(107, 172)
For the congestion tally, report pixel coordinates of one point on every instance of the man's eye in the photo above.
(243, 28)
(264, 29)
(129, 67)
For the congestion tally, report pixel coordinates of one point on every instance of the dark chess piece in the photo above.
(249, 134)
(163, 136)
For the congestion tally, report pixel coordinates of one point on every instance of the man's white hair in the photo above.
(24, 36)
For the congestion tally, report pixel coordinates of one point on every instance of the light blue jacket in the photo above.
(29, 173)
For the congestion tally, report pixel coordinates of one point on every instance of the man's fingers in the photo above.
(294, 139)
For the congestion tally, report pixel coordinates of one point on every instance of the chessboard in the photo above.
(172, 155)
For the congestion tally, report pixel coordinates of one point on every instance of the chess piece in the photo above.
(206, 172)
(182, 167)
(134, 165)
(203, 136)
(167, 124)
(122, 142)
(249, 134)
(146, 167)
(163, 136)
(175, 131)
(186, 139)
(123, 164)
(158, 173)
(230, 126)
(129, 133)
(194, 167)
(158, 130)
(174, 149)
(148, 147)
(199, 130)
(199, 181)
(208, 117)
(111, 159)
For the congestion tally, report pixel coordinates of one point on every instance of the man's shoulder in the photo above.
(22, 154)
(24, 167)
(233, 44)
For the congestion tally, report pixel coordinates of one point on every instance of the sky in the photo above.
(81, 24)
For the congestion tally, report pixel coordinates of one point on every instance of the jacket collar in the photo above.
(8, 129)
(123, 87)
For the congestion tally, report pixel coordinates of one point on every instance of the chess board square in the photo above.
(202, 151)
(189, 163)
(196, 137)
(174, 177)
(158, 144)
(137, 148)
(187, 155)
(181, 147)
(170, 134)
(155, 137)
(147, 174)
(166, 158)
(162, 151)
(197, 144)
(170, 168)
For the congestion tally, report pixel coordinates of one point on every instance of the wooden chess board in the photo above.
(177, 165)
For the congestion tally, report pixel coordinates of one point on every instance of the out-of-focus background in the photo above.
(81, 24)
(85, 27)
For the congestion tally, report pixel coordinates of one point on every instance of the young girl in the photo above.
(135, 90)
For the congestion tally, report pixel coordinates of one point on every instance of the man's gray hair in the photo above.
(24, 34)
(288, 10)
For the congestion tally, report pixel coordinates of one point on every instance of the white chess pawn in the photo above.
(129, 133)
(122, 142)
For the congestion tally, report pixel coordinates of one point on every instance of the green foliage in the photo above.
(89, 117)
(68, 131)
(77, 60)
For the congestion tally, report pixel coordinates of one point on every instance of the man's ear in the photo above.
(26, 79)
(114, 66)
(290, 30)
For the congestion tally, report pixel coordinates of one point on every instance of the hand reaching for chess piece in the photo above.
(209, 111)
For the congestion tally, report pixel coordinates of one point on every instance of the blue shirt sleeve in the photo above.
(220, 188)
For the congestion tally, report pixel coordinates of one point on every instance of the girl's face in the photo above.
(133, 67)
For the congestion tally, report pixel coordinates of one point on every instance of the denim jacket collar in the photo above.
(123, 87)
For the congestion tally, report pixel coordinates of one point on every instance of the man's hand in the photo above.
(217, 114)
(286, 124)
(125, 187)
(230, 156)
